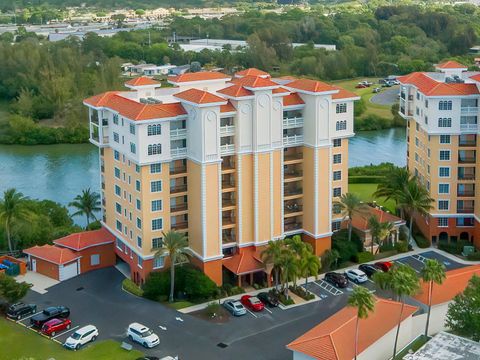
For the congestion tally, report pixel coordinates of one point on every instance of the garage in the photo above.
(68, 271)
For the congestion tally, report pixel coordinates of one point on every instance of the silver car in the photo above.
(357, 276)
(235, 307)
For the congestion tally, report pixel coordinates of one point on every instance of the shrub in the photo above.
(236, 290)
(303, 293)
(401, 246)
(346, 249)
(284, 300)
(94, 225)
(453, 248)
(421, 241)
(386, 247)
(474, 256)
(363, 257)
(402, 235)
(131, 287)
(156, 285)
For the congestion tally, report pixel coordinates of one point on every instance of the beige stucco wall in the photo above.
(277, 193)
(324, 190)
(263, 213)
(245, 193)
(213, 210)
(194, 184)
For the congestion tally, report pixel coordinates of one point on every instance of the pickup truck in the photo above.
(48, 314)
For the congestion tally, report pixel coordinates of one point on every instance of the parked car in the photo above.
(336, 279)
(252, 303)
(20, 310)
(81, 337)
(384, 265)
(357, 276)
(369, 269)
(142, 335)
(48, 314)
(268, 299)
(52, 327)
(235, 307)
(376, 90)
(366, 83)
(387, 84)
(360, 86)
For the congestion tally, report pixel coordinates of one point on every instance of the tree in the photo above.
(11, 290)
(88, 203)
(289, 266)
(394, 182)
(463, 315)
(12, 212)
(374, 227)
(432, 272)
(349, 204)
(175, 244)
(330, 257)
(273, 255)
(402, 281)
(363, 300)
(309, 264)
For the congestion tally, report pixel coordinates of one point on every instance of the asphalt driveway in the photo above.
(387, 97)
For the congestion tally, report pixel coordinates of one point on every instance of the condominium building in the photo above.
(441, 109)
(232, 162)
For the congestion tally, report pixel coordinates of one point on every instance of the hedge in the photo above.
(131, 287)
(453, 248)
(364, 256)
(474, 256)
(365, 179)
(421, 241)
(401, 246)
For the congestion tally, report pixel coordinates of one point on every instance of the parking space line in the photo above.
(65, 332)
(405, 263)
(252, 313)
(28, 317)
(270, 311)
(328, 288)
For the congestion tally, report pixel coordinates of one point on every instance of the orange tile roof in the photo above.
(254, 82)
(343, 94)
(134, 110)
(280, 90)
(253, 72)
(86, 239)
(333, 338)
(455, 283)
(451, 64)
(310, 85)
(142, 81)
(198, 96)
(227, 108)
(431, 87)
(360, 220)
(475, 77)
(245, 262)
(198, 76)
(52, 254)
(292, 99)
(235, 91)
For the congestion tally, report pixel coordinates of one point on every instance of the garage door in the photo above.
(68, 271)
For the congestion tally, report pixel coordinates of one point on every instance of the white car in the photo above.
(143, 335)
(81, 337)
(357, 276)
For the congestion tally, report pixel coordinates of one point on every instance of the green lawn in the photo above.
(17, 342)
(365, 193)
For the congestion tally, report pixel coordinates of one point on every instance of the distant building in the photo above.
(147, 69)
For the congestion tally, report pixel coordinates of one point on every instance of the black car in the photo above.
(368, 269)
(20, 310)
(336, 279)
(48, 314)
(268, 299)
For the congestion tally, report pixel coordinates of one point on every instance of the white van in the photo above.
(143, 335)
(81, 337)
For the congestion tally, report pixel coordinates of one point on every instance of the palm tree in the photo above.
(393, 183)
(289, 266)
(88, 203)
(349, 204)
(272, 254)
(13, 211)
(363, 300)
(374, 227)
(309, 264)
(175, 244)
(386, 229)
(432, 272)
(414, 199)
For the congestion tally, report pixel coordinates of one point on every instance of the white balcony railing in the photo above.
(178, 134)
(227, 130)
(292, 140)
(227, 149)
(178, 152)
(292, 122)
(469, 109)
(469, 127)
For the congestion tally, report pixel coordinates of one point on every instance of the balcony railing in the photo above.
(290, 123)
(178, 134)
(227, 221)
(179, 226)
(292, 192)
(469, 127)
(466, 177)
(292, 226)
(466, 193)
(178, 188)
(469, 109)
(466, 160)
(292, 175)
(228, 239)
(178, 170)
(227, 130)
(178, 208)
(228, 203)
(465, 210)
(294, 158)
(178, 152)
(467, 143)
(293, 208)
(227, 149)
(292, 140)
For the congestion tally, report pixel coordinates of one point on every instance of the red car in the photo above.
(384, 265)
(252, 303)
(360, 86)
(52, 327)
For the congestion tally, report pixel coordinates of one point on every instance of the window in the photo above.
(444, 122)
(337, 192)
(417, 142)
(118, 208)
(443, 188)
(155, 168)
(337, 142)
(442, 222)
(119, 244)
(416, 157)
(337, 175)
(341, 125)
(139, 204)
(444, 155)
(95, 259)
(115, 119)
(137, 185)
(156, 205)
(116, 138)
(137, 169)
(132, 129)
(117, 173)
(426, 103)
(118, 190)
(426, 119)
(157, 224)
(341, 108)
(155, 129)
(133, 148)
(443, 204)
(156, 186)
(139, 261)
(116, 155)
(444, 171)
(444, 139)
(154, 149)
(158, 262)
(157, 242)
(336, 225)
(445, 105)
(118, 225)
(139, 223)
(139, 241)
(337, 158)
(418, 95)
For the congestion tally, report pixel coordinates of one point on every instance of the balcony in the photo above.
(466, 160)
(292, 209)
(466, 190)
(228, 237)
(178, 134)
(472, 110)
(294, 122)
(466, 174)
(291, 175)
(180, 226)
(291, 158)
(178, 208)
(467, 140)
(178, 152)
(292, 192)
(178, 170)
(469, 127)
(178, 188)
(227, 130)
(293, 224)
(227, 149)
(292, 140)
(465, 210)
(228, 220)
(228, 203)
